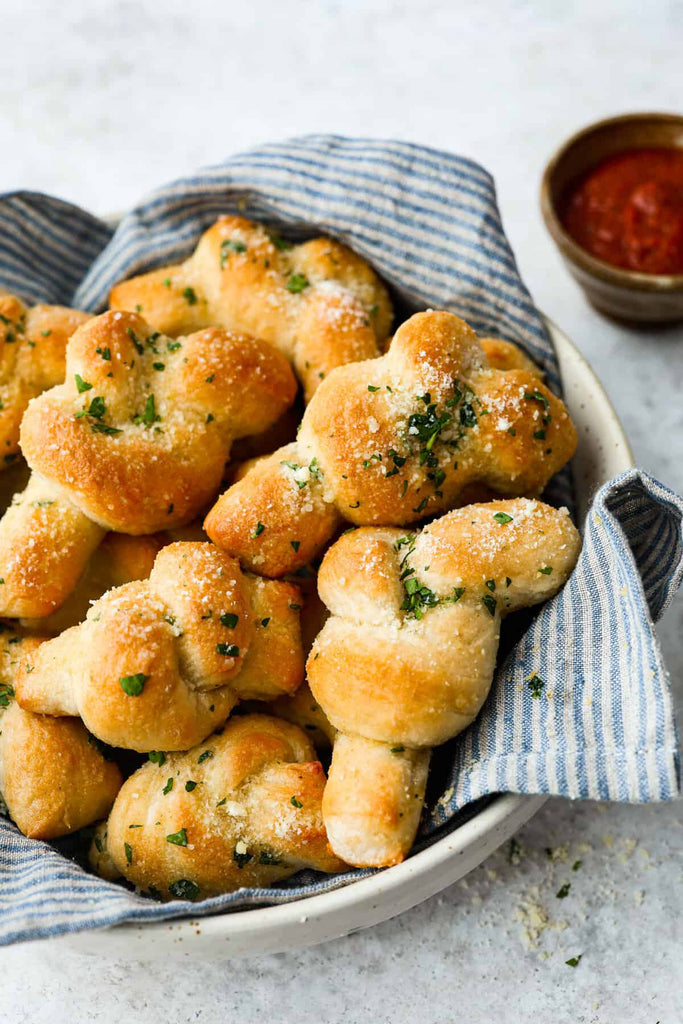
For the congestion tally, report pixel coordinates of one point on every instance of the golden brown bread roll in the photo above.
(407, 658)
(158, 664)
(393, 440)
(241, 809)
(53, 776)
(135, 440)
(32, 356)
(318, 302)
(139, 433)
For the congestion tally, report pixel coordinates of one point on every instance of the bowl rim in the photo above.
(633, 280)
(384, 894)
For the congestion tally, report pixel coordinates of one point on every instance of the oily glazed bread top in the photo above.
(242, 809)
(53, 777)
(409, 652)
(158, 664)
(318, 302)
(32, 357)
(392, 440)
(139, 433)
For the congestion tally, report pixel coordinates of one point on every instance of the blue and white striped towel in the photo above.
(428, 222)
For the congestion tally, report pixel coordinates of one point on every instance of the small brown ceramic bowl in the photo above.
(627, 294)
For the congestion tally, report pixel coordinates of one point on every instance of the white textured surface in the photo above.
(101, 102)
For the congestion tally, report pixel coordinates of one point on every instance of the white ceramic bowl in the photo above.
(602, 453)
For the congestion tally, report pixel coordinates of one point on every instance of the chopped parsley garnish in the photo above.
(574, 960)
(96, 411)
(133, 685)
(418, 597)
(295, 803)
(514, 851)
(230, 620)
(241, 855)
(157, 757)
(168, 787)
(371, 387)
(576, 865)
(297, 283)
(468, 416)
(296, 544)
(536, 396)
(295, 607)
(258, 530)
(139, 347)
(190, 785)
(264, 622)
(6, 694)
(491, 584)
(502, 518)
(159, 366)
(190, 296)
(536, 686)
(150, 415)
(230, 245)
(563, 891)
(547, 570)
(46, 334)
(128, 850)
(82, 385)
(102, 428)
(229, 650)
(489, 603)
(105, 353)
(266, 857)
(204, 756)
(280, 243)
(178, 838)
(184, 889)
(397, 750)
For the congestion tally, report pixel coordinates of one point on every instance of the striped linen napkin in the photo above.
(428, 221)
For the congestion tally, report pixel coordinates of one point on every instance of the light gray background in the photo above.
(101, 102)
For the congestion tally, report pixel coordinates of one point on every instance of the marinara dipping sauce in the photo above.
(628, 211)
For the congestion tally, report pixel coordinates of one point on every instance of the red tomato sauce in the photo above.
(628, 211)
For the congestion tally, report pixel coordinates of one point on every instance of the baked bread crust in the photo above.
(407, 658)
(160, 663)
(140, 431)
(53, 777)
(45, 545)
(318, 302)
(32, 358)
(119, 559)
(241, 809)
(393, 440)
